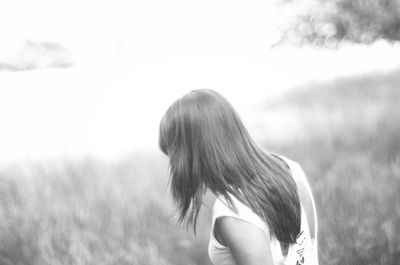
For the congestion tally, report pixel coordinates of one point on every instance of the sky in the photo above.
(132, 58)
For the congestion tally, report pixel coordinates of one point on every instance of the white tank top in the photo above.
(304, 252)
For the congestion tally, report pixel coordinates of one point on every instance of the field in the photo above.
(94, 212)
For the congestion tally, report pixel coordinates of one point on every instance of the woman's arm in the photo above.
(247, 242)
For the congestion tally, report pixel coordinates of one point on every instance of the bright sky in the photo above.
(133, 58)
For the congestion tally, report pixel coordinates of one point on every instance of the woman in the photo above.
(264, 210)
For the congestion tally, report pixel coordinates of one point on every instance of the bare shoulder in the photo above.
(248, 243)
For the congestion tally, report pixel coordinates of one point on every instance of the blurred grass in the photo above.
(89, 212)
(351, 153)
(92, 212)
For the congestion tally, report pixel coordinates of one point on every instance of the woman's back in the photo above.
(304, 251)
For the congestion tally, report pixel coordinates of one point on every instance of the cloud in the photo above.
(38, 55)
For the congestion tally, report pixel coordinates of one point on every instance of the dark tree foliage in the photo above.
(330, 22)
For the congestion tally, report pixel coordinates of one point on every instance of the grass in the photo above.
(351, 153)
(87, 212)
(92, 212)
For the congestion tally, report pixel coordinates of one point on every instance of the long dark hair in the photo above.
(209, 147)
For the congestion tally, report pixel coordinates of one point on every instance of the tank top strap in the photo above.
(306, 196)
